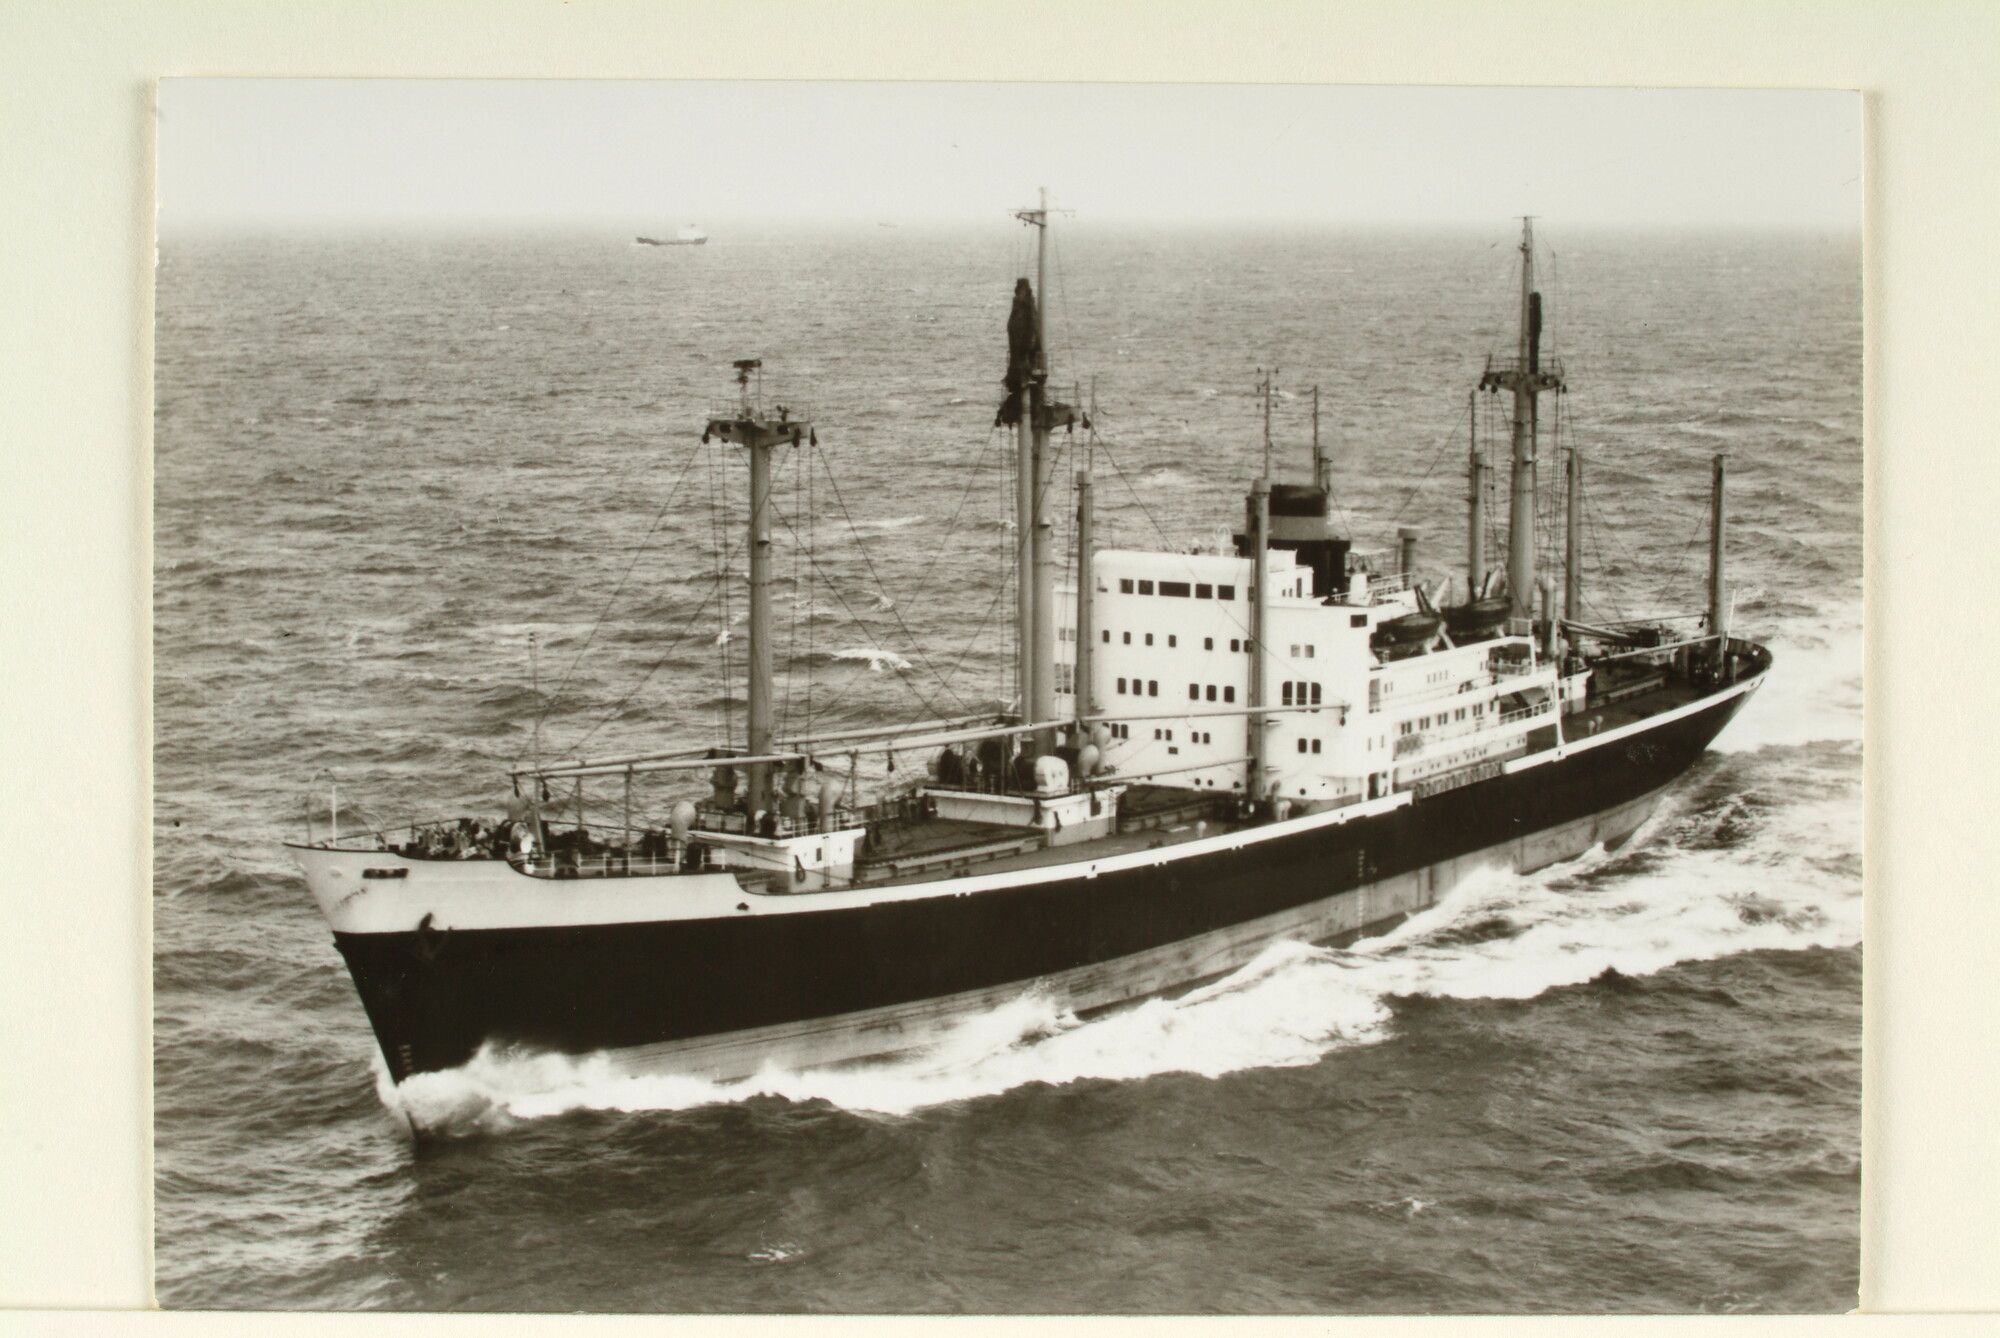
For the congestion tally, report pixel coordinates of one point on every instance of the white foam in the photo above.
(1676, 900)
(1813, 694)
(1771, 866)
(878, 660)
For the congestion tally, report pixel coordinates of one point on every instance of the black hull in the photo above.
(436, 997)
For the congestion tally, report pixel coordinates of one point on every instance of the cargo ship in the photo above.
(691, 235)
(1283, 736)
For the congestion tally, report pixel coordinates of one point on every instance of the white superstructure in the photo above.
(1344, 720)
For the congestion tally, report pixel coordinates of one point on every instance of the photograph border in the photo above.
(76, 391)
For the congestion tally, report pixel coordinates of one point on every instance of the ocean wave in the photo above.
(877, 660)
(1812, 695)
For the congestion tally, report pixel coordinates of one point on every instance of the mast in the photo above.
(1475, 536)
(1086, 584)
(1521, 512)
(760, 432)
(1043, 700)
(1718, 589)
(1526, 379)
(1024, 551)
(1036, 600)
(1260, 555)
(1573, 540)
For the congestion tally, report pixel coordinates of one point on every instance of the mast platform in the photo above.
(1518, 374)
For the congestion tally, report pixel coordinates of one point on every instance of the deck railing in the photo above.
(776, 825)
(1375, 587)
(613, 865)
(1443, 733)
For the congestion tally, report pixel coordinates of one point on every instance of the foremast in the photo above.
(760, 431)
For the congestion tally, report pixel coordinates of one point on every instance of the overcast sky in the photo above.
(249, 151)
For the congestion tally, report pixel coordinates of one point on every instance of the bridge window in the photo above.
(1208, 643)
(1121, 685)
(1315, 745)
(1149, 638)
(1175, 589)
(1302, 745)
(1124, 587)
(1107, 636)
(1211, 692)
(1229, 694)
(1128, 638)
(1145, 587)
(1309, 652)
(1225, 592)
(1204, 592)
(1235, 645)
(1152, 687)
(1172, 640)
(1295, 652)
(1194, 692)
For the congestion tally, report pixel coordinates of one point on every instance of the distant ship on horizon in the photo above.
(691, 235)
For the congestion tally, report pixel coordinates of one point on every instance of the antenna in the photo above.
(1322, 463)
(1266, 388)
(535, 678)
(745, 366)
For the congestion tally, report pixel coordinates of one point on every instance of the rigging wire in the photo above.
(812, 610)
(718, 518)
(576, 750)
(792, 627)
(951, 525)
(1132, 489)
(901, 673)
(894, 610)
(638, 551)
(1443, 446)
(923, 586)
(986, 619)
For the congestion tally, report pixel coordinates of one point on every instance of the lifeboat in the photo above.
(1479, 619)
(1405, 635)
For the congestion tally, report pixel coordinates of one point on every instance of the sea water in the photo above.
(432, 505)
